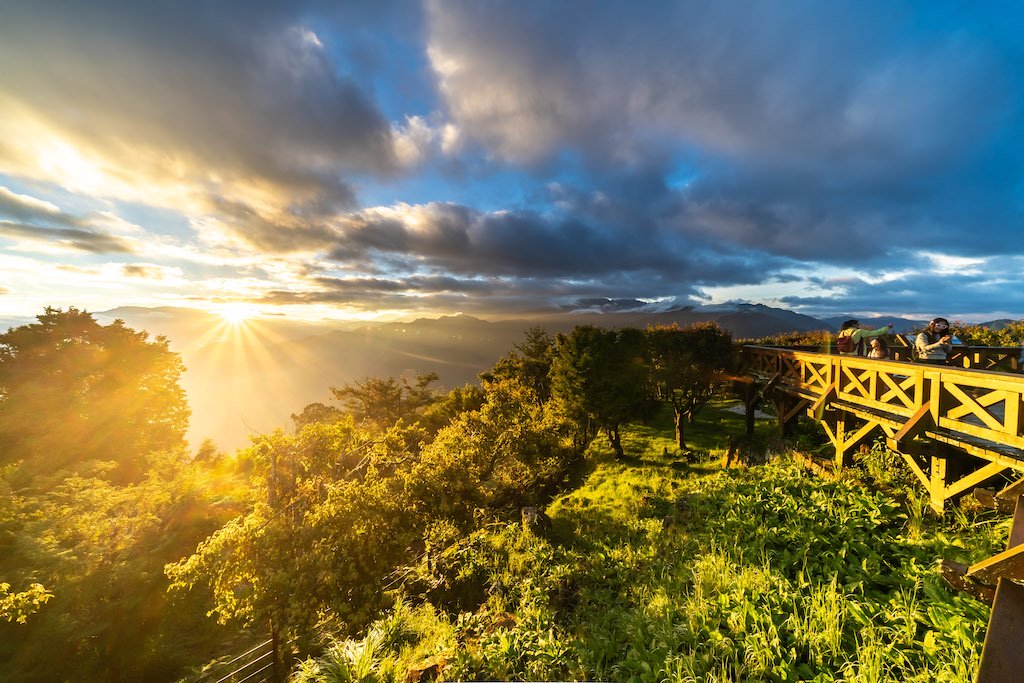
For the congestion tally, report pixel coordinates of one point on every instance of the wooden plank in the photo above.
(920, 421)
(974, 478)
(1002, 659)
(1017, 528)
(1008, 564)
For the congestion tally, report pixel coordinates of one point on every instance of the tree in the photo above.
(601, 375)
(383, 402)
(687, 365)
(72, 391)
(529, 363)
(326, 525)
(100, 549)
(316, 412)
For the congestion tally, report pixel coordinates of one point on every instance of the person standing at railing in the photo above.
(850, 340)
(934, 344)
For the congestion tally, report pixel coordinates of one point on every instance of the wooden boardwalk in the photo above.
(956, 428)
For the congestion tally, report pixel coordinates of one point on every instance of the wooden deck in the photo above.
(956, 428)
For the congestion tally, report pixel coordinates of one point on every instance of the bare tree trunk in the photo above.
(276, 671)
(680, 429)
(615, 441)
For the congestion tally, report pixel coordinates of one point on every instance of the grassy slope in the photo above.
(656, 569)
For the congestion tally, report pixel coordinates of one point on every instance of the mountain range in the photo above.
(248, 378)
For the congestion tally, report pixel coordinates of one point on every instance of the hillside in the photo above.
(661, 569)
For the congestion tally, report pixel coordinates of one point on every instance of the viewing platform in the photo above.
(955, 427)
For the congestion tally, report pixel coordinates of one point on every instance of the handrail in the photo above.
(981, 404)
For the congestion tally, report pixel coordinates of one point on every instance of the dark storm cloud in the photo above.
(990, 288)
(525, 244)
(606, 305)
(838, 132)
(74, 238)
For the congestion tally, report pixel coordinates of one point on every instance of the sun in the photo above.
(237, 314)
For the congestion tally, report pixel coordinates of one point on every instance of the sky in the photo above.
(506, 159)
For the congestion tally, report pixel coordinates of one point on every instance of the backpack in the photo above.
(844, 343)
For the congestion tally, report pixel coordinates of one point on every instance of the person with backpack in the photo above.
(850, 340)
(935, 343)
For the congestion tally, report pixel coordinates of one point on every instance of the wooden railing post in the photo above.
(937, 486)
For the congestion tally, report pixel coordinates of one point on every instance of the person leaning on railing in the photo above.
(934, 344)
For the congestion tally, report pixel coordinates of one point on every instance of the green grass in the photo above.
(660, 568)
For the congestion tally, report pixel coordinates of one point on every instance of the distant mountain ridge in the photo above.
(251, 377)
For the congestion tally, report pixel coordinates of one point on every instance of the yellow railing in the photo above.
(974, 403)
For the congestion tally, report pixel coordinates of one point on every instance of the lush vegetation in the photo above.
(483, 532)
(658, 569)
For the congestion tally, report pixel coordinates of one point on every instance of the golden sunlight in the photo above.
(237, 314)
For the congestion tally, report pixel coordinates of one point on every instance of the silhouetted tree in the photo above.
(385, 401)
(528, 363)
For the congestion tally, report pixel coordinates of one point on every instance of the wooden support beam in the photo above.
(841, 441)
(974, 478)
(1002, 659)
(1008, 564)
(795, 410)
(1013, 491)
(916, 469)
(955, 575)
(1017, 527)
(937, 486)
(918, 423)
(817, 409)
(859, 435)
(988, 498)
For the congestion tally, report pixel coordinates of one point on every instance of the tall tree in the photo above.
(529, 363)
(383, 402)
(601, 376)
(687, 366)
(72, 390)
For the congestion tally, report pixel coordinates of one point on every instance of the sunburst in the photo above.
(237, 313)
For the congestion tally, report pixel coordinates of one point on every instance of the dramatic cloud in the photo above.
(27, 218)
(506, 157)
(832, 132)
(175, 104)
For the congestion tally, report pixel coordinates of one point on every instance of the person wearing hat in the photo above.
(935, 343)
(850, 341)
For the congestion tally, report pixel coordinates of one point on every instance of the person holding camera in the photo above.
(935, 343)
